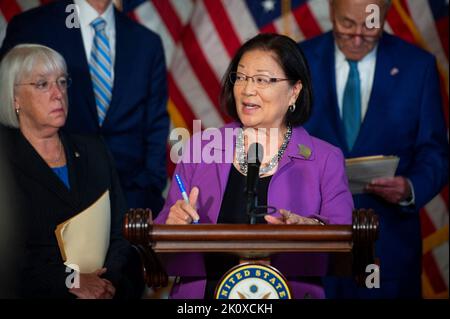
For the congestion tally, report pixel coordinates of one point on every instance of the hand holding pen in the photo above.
(183, 211)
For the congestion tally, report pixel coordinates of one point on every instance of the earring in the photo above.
(17, 111)
(292, 108)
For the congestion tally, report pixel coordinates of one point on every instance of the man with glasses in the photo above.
(378, 95)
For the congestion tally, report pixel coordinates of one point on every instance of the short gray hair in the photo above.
(17, 63)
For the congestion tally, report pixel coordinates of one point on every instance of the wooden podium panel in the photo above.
(252, 241)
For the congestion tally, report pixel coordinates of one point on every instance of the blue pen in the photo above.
(183, 193)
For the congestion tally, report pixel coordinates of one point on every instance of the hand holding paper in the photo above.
(361, 171)
(392, 189)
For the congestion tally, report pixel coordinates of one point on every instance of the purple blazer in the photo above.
(311, 186)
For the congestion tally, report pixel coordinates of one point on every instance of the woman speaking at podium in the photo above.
(267, 91)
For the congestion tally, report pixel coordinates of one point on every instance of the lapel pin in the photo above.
(394, 71)
(77, 154)
(304, 151)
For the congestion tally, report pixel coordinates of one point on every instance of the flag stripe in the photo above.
(178, 119)
(27, 4)
(445, 192)
(147, 15)
(442, 65)
(180, 102)
(440, 255)
(210, 43)
(387, 28)
(241, 19)
(200, 66)
(169, 17)
(442, 27)
(194, 93)
(435, 240)
(183, 8)
(269, 28)
(320, 10)
(427, 226)
(444, 93)
(293, 30)
(306, 21)
(3, 26)
(423, 18)
(437, 212)
(398, 26)
(222, 24)
(9, 9)
(430, 267)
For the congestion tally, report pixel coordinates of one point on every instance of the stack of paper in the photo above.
(362, 170)
(84, 239)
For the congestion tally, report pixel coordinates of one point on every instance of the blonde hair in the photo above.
(19, 62)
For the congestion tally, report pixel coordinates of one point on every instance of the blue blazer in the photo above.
(404, 118)
(137, 123)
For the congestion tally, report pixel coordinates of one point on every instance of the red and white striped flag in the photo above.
(201, 36)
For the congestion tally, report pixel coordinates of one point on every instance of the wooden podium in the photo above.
(351, 246)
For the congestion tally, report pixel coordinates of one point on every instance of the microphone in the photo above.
(254, 158)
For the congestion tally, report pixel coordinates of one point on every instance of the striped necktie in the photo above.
(351, 112)
(100, 67)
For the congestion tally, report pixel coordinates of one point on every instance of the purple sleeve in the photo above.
(337, 202)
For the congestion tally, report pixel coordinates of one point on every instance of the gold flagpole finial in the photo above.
(285, 10)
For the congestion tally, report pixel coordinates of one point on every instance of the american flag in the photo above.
(201, 36)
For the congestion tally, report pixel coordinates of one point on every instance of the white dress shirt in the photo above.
(366, 68)
(87, 14)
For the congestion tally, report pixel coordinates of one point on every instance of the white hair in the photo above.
(19, 63)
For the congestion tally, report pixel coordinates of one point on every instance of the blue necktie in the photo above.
(100, 67)
(351, 112)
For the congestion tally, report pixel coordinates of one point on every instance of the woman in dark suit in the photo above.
(58, 176)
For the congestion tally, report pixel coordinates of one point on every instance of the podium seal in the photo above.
(252, 281)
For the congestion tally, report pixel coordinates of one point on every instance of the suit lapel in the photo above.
(382, 79)
(300, 147)
(77, 168)
(121, 64)
(25, 158)
(328, 69)
(75, 52)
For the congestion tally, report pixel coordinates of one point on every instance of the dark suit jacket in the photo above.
(404, 118)
(46, 202)
(136, 124)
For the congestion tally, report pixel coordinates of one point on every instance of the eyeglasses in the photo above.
(261, 81)
(364, 37)
(63, 82)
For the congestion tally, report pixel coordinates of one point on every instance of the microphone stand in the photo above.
(255, 152)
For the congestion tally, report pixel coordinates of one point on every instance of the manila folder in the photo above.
(84, 239)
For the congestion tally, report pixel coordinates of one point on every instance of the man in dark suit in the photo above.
(378, 95)
(119, 86)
